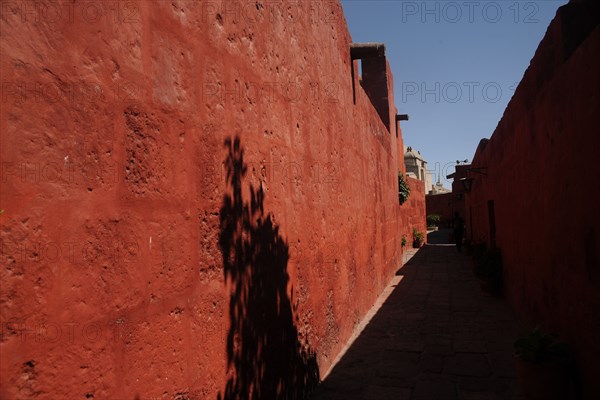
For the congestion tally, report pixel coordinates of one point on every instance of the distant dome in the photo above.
(411, 153)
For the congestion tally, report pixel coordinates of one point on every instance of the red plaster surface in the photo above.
(442, 205)
(114, 184)
(542, 176)
(413, 210)
(447, 204)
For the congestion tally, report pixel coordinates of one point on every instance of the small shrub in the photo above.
(418, 238)
(403, 240)
(433, 220)
(539, 348)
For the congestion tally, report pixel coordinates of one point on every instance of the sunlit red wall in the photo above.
(413, 210)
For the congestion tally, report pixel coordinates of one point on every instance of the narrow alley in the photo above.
(261, 200)
(437, 336)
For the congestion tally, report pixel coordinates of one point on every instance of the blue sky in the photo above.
(456, 65)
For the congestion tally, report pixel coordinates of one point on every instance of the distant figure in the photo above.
(458, 226)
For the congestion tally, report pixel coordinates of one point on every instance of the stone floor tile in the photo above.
(486, 384)
(397, 364)
(435, 389)
(387, 393)
(465, 306)
(431, 363)
(405, 345)
(467, 364)
(435, 328)
(481, 396)
(497, 341)
(502, 363)
(394, 382)
(469, 346)
(466, 335)
(439, 349)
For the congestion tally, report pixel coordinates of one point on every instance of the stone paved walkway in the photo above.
(436, 337)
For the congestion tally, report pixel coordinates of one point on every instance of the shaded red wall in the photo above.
(412, 212)
(442, 205)
(447, 204)
(458, 200)
(542, 175)
(137, 245)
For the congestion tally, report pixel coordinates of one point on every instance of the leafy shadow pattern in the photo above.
(266, 358)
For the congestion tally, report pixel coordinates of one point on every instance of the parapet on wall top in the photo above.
(400, 117)
(374, 76)
(366, 50)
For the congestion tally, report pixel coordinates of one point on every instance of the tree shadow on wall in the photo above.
(266, 358)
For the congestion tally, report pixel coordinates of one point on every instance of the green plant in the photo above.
(403, 189)
(418, 238)
(403, 240)
(433, 220)
(541, 348)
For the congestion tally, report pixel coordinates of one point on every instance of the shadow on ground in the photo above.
(266, 358)
(436, 337)
(441, 236)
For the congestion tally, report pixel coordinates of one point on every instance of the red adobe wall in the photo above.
(447, 204)
(413, 210)
(188, 189)
(442, 205)
(458, 200)
(542, 174)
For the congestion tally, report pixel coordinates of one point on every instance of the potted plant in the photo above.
(433, 221)
(541, 366)
(488, 268)
(418, 238)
